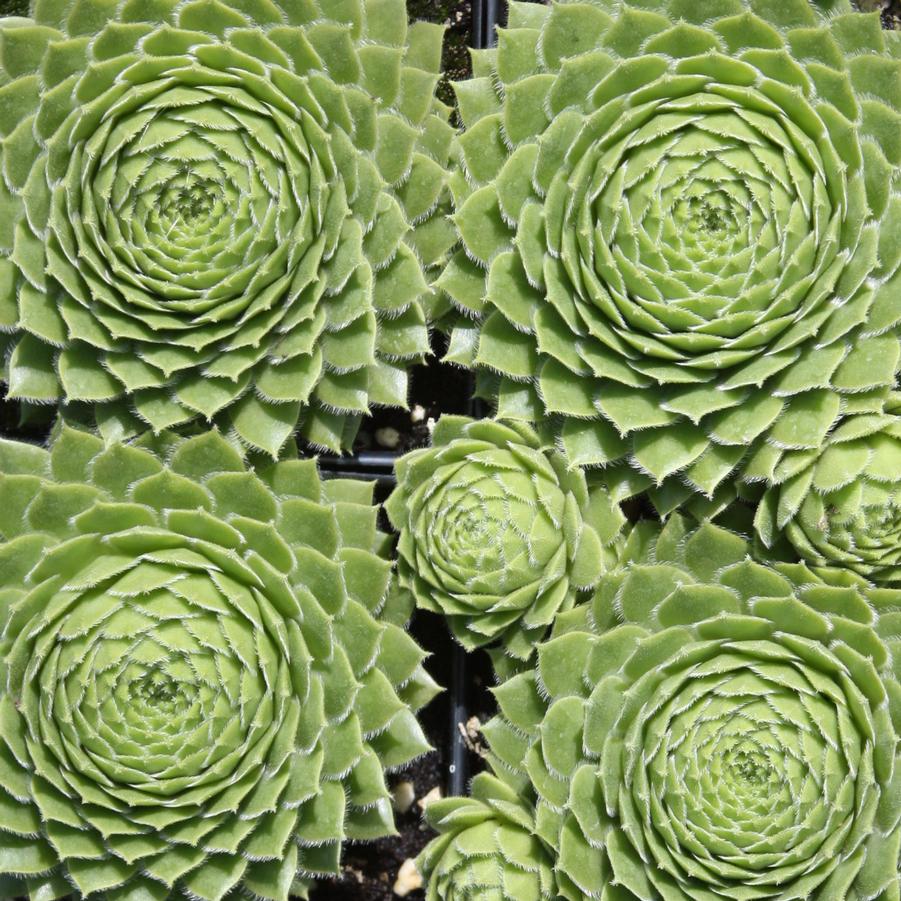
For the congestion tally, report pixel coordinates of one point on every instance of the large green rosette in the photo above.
(841, 507)
(487, 849)
(710, 727)
(680, 225)
(497, 533)
(202, 679)
(219, 211)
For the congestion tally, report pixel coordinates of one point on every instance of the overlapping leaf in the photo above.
(680, 224)
(202, 679)
(219, 210)
(497, 533)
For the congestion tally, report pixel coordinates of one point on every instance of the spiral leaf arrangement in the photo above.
(842, 507)
(488, 850)
(219, 210)
(710, 727)
(680, 228)
(497, 533)
(674, 257)
(202, 679)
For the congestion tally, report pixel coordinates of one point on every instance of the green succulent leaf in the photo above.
(679, 215)
(206, 205)
(199, 693)
(708, 726)
(842, 507)
(488, 848)
(497, 533)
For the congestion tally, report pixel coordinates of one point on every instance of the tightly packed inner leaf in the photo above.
(496, 533)
(841, 507)
(201, 685)
(710, 727)
(680, 228)
(210, 208)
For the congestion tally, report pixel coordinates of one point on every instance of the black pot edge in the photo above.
(379, 467)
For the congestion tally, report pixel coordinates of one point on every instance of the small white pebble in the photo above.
(408, 879)
(404, 796)
(433, 795)
(387, 437)
(430, 425)
(417, 414)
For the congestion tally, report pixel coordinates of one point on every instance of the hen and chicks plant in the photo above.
(219, 212)
(204, 671)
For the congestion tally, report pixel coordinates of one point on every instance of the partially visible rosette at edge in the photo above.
(713, 727)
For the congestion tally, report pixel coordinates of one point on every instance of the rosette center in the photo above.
(741, 785)
(701, 223)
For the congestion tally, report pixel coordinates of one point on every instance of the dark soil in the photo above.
(891, 16)
(370, 871)
(457, 16)
(435, 388)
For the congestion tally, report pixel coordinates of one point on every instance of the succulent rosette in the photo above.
(497, 533)
(710, 727)
(219, 211)
(203, 682)
(680, 227)
(841, 507)
(487, 849)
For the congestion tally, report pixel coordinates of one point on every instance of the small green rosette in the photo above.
(842, 507)
(497, 533)
(487, 849)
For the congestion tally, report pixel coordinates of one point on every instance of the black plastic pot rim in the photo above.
(378, 466)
